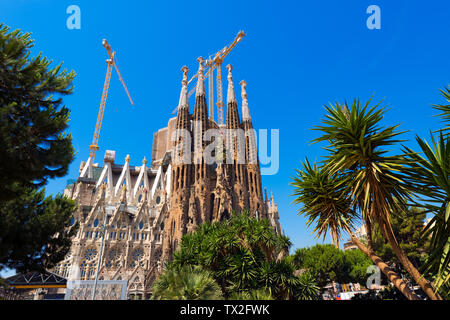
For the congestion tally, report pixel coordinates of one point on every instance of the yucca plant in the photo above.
(377, 186)
(429, 177)
(186, 283)
(445, 109)
(256, 294)
(327, 204)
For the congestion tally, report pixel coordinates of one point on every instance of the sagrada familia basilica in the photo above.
(145, 210)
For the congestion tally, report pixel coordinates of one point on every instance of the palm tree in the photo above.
(429, 176)
(327, 204)
(373, 178)
(186, 283)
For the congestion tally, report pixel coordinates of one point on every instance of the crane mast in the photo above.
(212, 64)
(111, 62)
(218, 60)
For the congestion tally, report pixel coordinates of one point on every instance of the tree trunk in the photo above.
(393, 277)
(403, 258)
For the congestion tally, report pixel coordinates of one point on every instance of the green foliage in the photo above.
(408, 227)
(356, 264)
(445, 109)
(328, 263)
(35, 231)
(429, 178)
(186, 283)
(243, 254)
(307, 288)
(357, 152)
(256, 294)
(32, 121)
(324, 201)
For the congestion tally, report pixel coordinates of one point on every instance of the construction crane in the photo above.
(110, 62)
(216, 63)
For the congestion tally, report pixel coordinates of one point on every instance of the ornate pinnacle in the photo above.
(200, 84)
(185, 71)
(244, 90)
(200, 67)
(230, 75)
(144, 161)
(127, 159)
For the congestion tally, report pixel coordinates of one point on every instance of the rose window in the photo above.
(90, 254)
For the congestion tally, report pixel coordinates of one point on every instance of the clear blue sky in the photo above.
(296, 57)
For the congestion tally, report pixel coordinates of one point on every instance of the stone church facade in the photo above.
(149, 207)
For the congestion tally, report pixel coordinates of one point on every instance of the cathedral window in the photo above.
(90, 254)
(96, 223)
(141, 225)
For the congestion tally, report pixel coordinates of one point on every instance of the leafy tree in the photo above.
(324, 261)
(408, 227)
(186, 283)
(32, 120)
(34, 230)
(328, 263)
(243, 254)
(356, 264)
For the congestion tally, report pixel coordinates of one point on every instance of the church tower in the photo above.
(235, 149)
(251, 159)
(199, 202)
(177, 218)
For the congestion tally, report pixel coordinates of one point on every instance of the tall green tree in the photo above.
(324, 261)
(32, 118)
(328, 263)
(35, 231)
(409, 227)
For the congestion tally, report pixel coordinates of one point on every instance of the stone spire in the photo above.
(200, 89)
(184, 101)
(231, 96)
(245, 110)
(233, 121)
(183, 120)
(200, 116)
